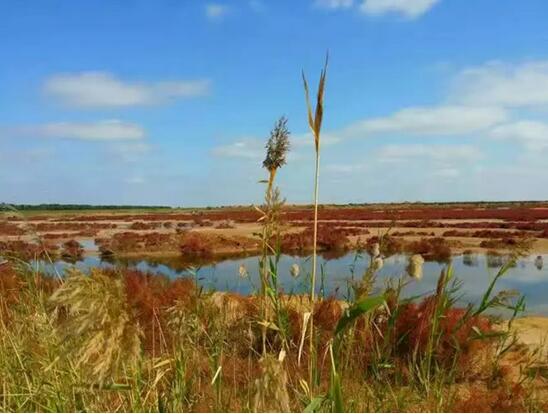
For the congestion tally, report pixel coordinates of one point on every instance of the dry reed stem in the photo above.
(315, 123)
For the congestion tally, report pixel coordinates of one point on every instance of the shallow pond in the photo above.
(336, 275)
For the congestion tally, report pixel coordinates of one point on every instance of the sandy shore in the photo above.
(533, 331)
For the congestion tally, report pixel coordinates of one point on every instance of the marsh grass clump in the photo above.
(95, 316)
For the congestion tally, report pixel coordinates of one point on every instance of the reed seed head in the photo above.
(414, 268)
(315, 117)
(376, 250)
(243, 271)
(539, 262)
(377, 263)
(277, 145)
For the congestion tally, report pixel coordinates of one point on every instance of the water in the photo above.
(475, 271)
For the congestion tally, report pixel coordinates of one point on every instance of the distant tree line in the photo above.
(30, 207)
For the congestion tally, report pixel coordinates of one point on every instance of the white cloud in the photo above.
(532, 134)
(102, 89)
(347, 168)
(128, 151)
(135, 180)
(439, 153)
(441, 120)
(408, 8)
(334, 4)
(215, 11)
(447, 172)
(503, 84)
(251, 149)
(112, 130)
(307, 140)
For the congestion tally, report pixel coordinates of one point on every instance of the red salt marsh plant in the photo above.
(140, 225)
(27, 251)
(435, 248)
(303, 242)
(195, 244)
(125, 242)
(72, 251)
(10, 229)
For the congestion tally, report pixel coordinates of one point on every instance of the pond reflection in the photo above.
(337, 275)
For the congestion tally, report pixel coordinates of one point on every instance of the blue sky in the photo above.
(171, 101)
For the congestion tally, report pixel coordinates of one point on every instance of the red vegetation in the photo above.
(414, 326)
(57, 236)
(72, 251)
(389, 245)
(68, 226)
(10, 285)
(9, 229)
(509, 398)
(150, 296)
(302, 242)
(27, 251)
(126, 242)
(435, 248)
(511, 212)
(499, 243)
(195, 244)
(140, 225)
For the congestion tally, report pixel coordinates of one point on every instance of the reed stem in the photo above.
(314, 266)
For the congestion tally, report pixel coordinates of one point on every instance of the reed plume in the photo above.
(97, 316)
(276, 150)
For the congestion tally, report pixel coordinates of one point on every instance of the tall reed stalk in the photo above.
(276, 151)
(315, 123)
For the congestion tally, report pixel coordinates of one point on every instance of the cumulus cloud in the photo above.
(137, 180)
(532, 134)
(503, 84)
(111, 130)
(447, 172)
(408, 8)
(348, 168)
(128, 151)
(439, 153)
(334, 4)
(102, 89)
(436, 120)
(216, 11)
(251, 149)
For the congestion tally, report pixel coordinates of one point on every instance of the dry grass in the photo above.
(129, 341)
